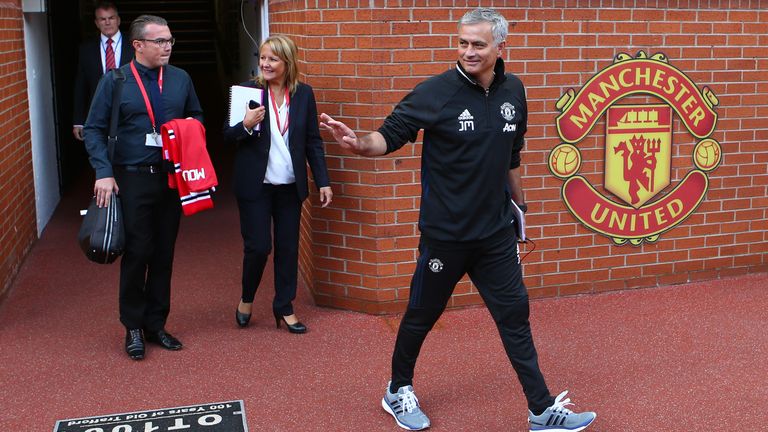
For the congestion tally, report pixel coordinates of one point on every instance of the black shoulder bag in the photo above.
(102, 236)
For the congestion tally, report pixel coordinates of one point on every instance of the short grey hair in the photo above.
(138, 26)
(499, 24)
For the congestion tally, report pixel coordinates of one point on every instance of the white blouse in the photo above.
(280, 165)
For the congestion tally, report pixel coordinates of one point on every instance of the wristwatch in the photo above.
(523, 207)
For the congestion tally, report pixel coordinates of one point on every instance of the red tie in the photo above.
(109, 55)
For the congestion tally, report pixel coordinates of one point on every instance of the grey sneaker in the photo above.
(404, 407)
(558, 418)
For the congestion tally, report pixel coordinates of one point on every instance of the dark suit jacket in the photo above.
(89, 72)
(305, 144)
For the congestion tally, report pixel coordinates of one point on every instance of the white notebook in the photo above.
(519, 222)
(239, 96)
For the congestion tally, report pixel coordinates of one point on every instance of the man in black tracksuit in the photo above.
(474, 118)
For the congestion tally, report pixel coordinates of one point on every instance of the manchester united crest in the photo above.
(638, 148)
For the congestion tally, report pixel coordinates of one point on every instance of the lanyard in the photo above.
(144, 92)
(282, 130)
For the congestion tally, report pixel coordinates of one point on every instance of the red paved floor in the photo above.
(681, 358)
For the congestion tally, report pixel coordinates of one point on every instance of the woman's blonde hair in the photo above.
(285, 49)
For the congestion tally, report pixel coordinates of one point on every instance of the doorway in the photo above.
(213, 46)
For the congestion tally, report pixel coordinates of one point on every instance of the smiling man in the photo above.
(154, 92)
(474, 118)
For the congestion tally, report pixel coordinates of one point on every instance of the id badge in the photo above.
(154, 140)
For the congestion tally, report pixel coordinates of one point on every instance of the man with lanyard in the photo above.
(153, 93)
(474, 118)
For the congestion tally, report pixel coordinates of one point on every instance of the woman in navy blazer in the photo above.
(271, 176)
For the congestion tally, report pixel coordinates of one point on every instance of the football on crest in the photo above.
(564, 160)
(706, 154)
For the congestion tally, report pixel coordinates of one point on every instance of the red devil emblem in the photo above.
(639, 164)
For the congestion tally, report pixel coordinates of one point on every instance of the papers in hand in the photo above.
(519, 222)
(239, 96)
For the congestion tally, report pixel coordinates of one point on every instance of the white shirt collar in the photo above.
(116, 39)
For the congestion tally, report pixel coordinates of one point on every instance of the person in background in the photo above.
(154, 92)
(275, 141)
(96, 56)
(474, 118)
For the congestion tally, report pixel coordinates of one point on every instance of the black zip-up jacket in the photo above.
(472, 138)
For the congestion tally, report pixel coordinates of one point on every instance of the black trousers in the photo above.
(151, 212)
(278, 206)
(495, 269)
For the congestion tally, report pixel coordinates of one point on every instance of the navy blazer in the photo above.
(304, 143)
(90, 71)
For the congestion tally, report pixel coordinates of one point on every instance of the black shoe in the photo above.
(134, 344)
(241, 318)
(297, 328)
(164, 339)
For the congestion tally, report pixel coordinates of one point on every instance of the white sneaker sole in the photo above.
(559, 430)
(565, 430)
(386, 407)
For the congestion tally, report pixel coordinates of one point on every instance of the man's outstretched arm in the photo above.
(372, 144)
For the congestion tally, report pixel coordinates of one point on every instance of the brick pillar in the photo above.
(18, 227)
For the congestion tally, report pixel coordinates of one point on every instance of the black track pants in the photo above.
(495, 269)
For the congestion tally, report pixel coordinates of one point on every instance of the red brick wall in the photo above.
(361, 60)
(17, 192)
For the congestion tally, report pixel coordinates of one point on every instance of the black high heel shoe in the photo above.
(241, 318)
(297, 328)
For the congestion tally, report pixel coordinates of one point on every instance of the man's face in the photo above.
(107, 21)
(155, 48)
(477, 50)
